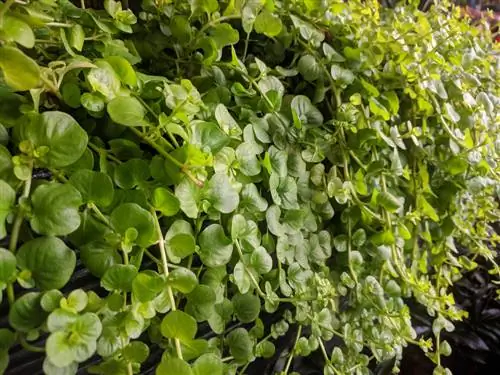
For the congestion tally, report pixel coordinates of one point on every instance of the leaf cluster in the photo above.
(322, 157)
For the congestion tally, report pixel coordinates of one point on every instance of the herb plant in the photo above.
(215, 161)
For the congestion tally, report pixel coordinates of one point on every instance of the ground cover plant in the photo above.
(212, 162)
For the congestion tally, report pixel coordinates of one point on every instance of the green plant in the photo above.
(322, 155)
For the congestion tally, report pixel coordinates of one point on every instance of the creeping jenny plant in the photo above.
(214, 161)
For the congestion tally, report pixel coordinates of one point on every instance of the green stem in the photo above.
(26, 345)
(163, 252)
(16, 228)
(216, 21)
(99, 214)
(184, 169)
(5, 8)
(290, 358)
(250, 275)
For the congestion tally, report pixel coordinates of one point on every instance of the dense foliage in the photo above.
(318, 159)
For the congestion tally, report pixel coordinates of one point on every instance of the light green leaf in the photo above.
(201, 302)
(221, 194)
(119, 277)
(60, 133)
(240, 345)
(331, 54)
(251, 200)
(426, 208)
(173, 365)
(309, 68)
(179, 240)
(378, 109)
(208, 364)
(123, 69)
(268, 24)
(76, 37)
(307, 114)
(7, 200)
(241, 277)
(7, 267)
(95, 187)
(165, 201)
(104, 80)
(341, 75)
(19, 71)
(182, 279)
(247, 157)
(372, 90)
(388, 201)
(55, 209)
(131, 215)
(226, 121)
(209, 135)
(147, 285)
(49, 260)
(261, 261)
(179, 325)
(26, 313)
(136, 351)
(284, 192)
(215, 248)
(188, 194)
(246, 307)
(224, 35)
(98, 256)
(249, 13)
(127, 110)
(16, 30)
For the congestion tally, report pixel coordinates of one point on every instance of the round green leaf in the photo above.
(119, 277)
(179, 240)
(165, 201)
(123, 69)
(261, 261)
(208, 364)
(246, 307)
(173, 366)
(179, 325)
(98, 257)
(55, 209)
(7, 267)
(131, 215)
(65, 139)
(19, 71)
(221, 194)
(26, 313)
(51, 300)
(268, 24)
(16, 30)
(147, 285)
(309, 68)
(7, 200)
(201, 302)
(182, 279)
(306, 112)
(240, 345)
(95, 187)
(126, 110)
(49, 260)
(136, 351)
(215, 248)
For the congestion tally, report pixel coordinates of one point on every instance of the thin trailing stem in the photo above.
(184, 169)
(163, 252)
(290, 357)
(16, 227)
